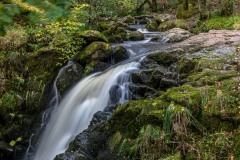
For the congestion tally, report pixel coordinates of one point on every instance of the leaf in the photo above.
(12, 143)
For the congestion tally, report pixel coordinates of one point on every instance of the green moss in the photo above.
(177, 23)
(186, 96)
(186, 66)
(176, 156)
(95, 51)
(209, 77)
(164, 58)
(134, 114)
(152, 25)
(91, 36)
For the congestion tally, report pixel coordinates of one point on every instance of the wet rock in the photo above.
(129, 19)
(131, 29)
(140, 91)
(152, 25)
(90, 36)
(136, 36)
(173, 35)
(96, 51)
(69, 77)
(119, 54)
(115, 39)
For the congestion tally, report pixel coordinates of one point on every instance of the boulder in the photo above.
(136, 36)
(152, 25)
(173, 35)
(129, 19)
(160, 18)
(69, 77)
(96, 51)
(115, 39)
(107, 25)
(90, 36)
(119, 54)
(176, 23)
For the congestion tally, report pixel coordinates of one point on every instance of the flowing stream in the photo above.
(89, 96)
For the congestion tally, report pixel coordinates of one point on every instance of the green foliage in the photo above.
(218, 23)
(62, 34)
(226, 8)
(37, 11)
(9, 101)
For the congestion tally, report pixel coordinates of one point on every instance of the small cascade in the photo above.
(46, 114)
(76, 110)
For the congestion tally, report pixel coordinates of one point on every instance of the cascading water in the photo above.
(77, 109)
(89, 96)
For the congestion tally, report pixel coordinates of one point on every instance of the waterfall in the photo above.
(76, 110)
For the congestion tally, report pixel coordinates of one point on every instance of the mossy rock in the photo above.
(90, 36)
(136, 36)
(124, 36)
(44, 63)
(209, 77)
(115, 39)
(163, 18)
(152, 25)
(120, 30)
(96, 51)
(69, 77)
(164, 58)
(186, 96)
(95, 66)
(186, 66)
(119, 54)
(133, 115)
(178, 23)
(129, 19)
(107, 25)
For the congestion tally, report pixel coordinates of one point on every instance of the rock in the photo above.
(123, 36)
(136, 36)
(119, 54)
(131, 29)
(163, 18)
(95, 66)
(91, 35)
(115, 39)
(120, 30)
(69, 77)
(164, 58)
(43, 64)
(152, 25)
(178, 23)
(129, 19)
(96, 51)
(107, 25)
(172, 35)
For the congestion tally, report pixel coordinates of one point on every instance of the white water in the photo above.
(76, 110)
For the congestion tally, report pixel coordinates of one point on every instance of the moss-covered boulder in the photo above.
(152, 25)
(44, 63)
(129, 19)
(120, 54)
(178, 23)
(90, 36)
(115, 39)
(96, 51)
(107, 25)
(69, 77)
(160, 18)
(136, 36)
(147, 111)
(164, 58)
